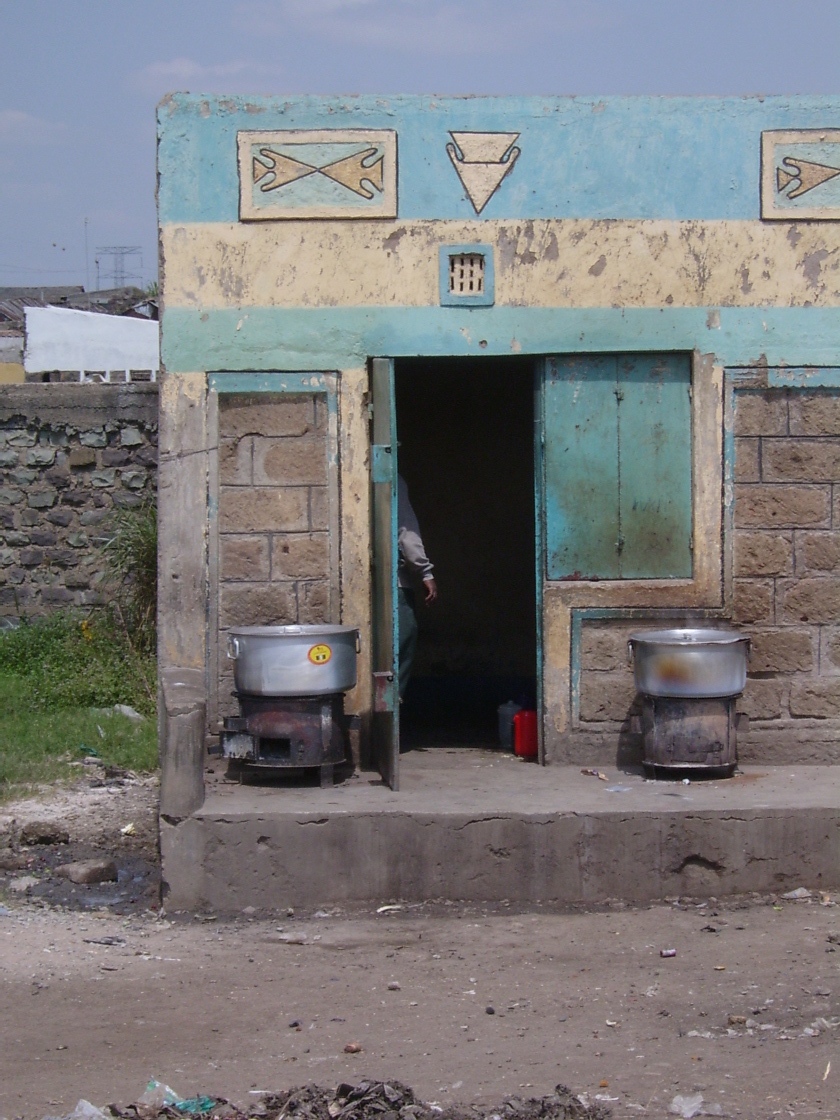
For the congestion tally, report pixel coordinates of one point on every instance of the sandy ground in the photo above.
(99, 993)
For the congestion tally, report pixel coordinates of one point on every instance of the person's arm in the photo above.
(414, 554)
(412, 549)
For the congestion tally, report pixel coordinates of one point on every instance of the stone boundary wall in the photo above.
(69, 454)
(785, 594)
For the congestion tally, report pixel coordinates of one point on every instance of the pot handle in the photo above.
(629, 653)
(358, 641)
(232, 647)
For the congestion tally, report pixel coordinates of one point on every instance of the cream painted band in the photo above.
(570, 263)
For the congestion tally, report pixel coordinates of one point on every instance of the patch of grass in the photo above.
(41, 746)
(69, 661)
(59, 676)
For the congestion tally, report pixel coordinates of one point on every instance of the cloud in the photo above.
(17, 126)
(235, 76)
(436, 27)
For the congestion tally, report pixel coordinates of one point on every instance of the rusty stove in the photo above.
(290, 683)
(689, 680)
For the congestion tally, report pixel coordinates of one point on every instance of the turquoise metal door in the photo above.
(654, 465)
(539, 551)
(617, 467)
(385, 730)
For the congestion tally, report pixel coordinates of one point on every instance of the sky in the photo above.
(79, 83)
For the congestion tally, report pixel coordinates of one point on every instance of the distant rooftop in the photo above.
(110, 301)
(48, 295)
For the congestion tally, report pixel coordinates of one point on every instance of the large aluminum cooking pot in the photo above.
(293, 660)
(687, 662)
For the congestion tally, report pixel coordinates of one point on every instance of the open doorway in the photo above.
(466, 449)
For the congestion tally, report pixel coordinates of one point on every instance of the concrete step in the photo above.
(482, 825)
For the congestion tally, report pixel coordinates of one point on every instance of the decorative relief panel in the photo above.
(333, 173)
(800, 174)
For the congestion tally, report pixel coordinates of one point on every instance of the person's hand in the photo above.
(430, 588)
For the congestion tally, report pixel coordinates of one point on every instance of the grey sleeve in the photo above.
(414, 554)
(409, 540)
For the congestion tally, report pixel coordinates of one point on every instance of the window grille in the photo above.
(466, 274)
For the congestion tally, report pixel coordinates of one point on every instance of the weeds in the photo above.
(42, 746)
(71, 662)
(60, 676)
(131, 558)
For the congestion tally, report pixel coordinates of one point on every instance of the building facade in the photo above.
(599, 337)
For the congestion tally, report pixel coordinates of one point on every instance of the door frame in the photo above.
(384, 658)
(385, 714)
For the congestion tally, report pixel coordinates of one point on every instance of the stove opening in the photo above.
(277, 750)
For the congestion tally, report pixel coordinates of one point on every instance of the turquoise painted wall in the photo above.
(615, 157)
(341, 338)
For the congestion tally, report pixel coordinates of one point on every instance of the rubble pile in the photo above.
(366, 1100)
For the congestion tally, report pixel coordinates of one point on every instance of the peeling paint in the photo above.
(811, 265)
(392, 241)
(598, 267)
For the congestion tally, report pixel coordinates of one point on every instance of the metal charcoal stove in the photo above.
(684, 734)
(286, 732)
(290, 683)
(689, 681)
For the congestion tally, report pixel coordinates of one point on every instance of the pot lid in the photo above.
(291, 631)
(688, 636)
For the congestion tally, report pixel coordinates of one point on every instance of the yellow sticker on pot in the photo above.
(320, 654)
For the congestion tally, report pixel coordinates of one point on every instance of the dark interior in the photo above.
(466, 449)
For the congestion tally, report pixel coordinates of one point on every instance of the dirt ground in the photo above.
(99, 991)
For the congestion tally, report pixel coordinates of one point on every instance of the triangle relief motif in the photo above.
(482, 160)
(805, 173)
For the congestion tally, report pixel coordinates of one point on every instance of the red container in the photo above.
(525, 734)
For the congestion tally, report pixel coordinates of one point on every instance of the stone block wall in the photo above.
(607, 693)
(274, 558)
(787, 556)
(69, 454)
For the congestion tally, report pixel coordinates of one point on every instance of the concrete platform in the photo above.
(482, 825)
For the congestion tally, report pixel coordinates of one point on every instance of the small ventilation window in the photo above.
(466, 274)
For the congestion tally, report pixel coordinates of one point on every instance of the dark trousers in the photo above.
(407, 621)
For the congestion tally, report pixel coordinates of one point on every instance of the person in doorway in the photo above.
(413, 569)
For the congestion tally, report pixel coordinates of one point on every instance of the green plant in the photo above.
(60, 680)
(131, 555)
(67, 661)
(38, 746)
